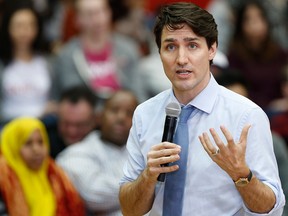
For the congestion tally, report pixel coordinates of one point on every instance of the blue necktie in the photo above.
(175, 181)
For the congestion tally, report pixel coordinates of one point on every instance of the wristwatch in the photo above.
(244, 181)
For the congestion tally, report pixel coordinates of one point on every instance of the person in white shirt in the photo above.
(221, 161)
(95, 164)
(25, 76)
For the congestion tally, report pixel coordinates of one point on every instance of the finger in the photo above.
(217, 139)
(167, 169)
(165, 145)
(210, 147)
(228, 136)
(155, 171)
(204, 144)
(156, 162)
(244, 134)
(163, 153)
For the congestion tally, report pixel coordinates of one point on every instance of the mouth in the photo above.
(38, 160)
(183, 72)
(119, 128)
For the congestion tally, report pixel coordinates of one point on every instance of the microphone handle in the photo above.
(168, 133)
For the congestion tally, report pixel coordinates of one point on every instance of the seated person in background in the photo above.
(76, 118)
(95, 164)
(233, 80)
(31, 184)
(98, 57)
(278, 109)
(280, 105)
(279, 125)
(25, 78)
(256, 54)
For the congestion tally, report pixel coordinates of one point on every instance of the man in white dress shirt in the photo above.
(231, 166)
(95, 164)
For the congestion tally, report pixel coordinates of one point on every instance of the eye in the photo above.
(192, 46)
(170, 47)
(28, 143)
(40, 142)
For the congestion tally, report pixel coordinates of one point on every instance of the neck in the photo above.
(23, 54)
(111, 142)
(94, 43)
(256, 45)
(185, 96)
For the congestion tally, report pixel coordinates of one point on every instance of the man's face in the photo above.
(75, 121)
(117, 118)
(94, 17)
(185, 57)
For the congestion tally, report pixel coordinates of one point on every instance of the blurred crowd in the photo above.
(72, 73)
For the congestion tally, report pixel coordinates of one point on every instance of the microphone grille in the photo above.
(173, 109)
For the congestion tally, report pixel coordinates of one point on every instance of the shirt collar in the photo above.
(206, 99)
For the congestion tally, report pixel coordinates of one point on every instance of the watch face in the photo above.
(242, 182)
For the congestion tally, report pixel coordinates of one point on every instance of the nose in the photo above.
(121, 116)
(36, 147)
(72, 129)
(182, 58)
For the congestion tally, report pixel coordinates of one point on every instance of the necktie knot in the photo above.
(185, 114)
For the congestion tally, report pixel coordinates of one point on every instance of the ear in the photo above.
(212, 51)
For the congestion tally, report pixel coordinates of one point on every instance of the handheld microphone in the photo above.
(172, 110)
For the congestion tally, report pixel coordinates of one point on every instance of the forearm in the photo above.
(136, 198)
(257, 196)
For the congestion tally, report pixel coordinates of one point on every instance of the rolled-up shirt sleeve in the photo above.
(136, 162)
(261, 159)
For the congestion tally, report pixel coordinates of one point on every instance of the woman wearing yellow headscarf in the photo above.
(31, 184)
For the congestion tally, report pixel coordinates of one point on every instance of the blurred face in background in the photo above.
(94, 17)
(76, 120)
(255, 26)
(284, 86)
(34, 151)
(117, 117)
(23, 29)
(239, 89)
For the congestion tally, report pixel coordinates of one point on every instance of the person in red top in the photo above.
(98, 57)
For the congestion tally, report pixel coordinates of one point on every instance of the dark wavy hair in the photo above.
(39, 45)
(239, 43)
(175, 15)
(77, 93)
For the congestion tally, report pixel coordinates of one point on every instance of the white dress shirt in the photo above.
(209, 190)
(95, 168)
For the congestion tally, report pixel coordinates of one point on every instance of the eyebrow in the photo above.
(187, 39)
